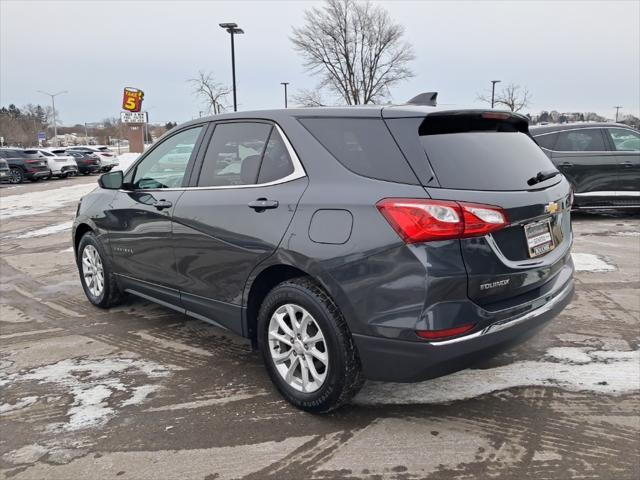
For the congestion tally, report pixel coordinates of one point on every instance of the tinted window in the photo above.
(485, 160)
(276, 162)
(547, 141)
(233, 155)
(161, 168)
(46, 154)
(363, 145)
(586, 140)
(624, 140)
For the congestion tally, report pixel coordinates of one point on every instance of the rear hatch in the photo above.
(489, 158)
(35, 161)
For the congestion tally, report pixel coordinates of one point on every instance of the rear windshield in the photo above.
(362, 145)
(485, 160)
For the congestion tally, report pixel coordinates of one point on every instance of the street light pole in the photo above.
(617, 107)
(285, 92)
(53, 105)
(493, 91)
(233, 29)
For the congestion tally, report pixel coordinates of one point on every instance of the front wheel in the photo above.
(96, 275)
(307, 347)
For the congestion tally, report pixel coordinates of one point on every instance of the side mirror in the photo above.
(111, 180)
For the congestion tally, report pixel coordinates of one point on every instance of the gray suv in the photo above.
(388, 243)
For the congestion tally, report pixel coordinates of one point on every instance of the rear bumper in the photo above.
(38, 174)
(393, 360)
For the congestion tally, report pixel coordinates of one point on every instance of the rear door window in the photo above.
(362, 145)
(585, 140)
(276, 162)
(234, 153)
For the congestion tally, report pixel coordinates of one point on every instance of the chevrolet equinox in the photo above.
(395, 243)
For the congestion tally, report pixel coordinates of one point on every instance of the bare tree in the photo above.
(211, 92)
(309, 98)
(513, 96)
(356, 49)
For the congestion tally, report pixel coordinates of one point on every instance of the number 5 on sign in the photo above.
(132, 99)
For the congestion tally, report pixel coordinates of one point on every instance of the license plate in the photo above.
(539, 238)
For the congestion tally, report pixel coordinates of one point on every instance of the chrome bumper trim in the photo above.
(510, 322)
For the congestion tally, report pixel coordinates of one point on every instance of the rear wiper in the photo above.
(542, 176)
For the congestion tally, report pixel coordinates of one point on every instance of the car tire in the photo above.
(96, 273)
(62, 176)
(16, 175)
(335, 381)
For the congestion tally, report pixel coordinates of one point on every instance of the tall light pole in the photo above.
(53, 105)
(617, 107)
(493, 91)
(233, 29)
(285, 92)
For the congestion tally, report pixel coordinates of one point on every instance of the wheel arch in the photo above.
(281, 268)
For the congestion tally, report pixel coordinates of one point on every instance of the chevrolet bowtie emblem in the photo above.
(551, 207)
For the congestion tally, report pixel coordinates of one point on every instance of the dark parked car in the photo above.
(600, 160)
(4, 171)
(390, 243)
(88, 162)
(25, 164)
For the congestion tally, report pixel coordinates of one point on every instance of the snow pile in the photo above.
(43, 201)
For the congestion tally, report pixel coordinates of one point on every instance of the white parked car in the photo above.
(60, 164)
(108, 159)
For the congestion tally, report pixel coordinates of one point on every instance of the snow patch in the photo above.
(606, 372)
(42, 201)
(20, 404)
(50, 230)
(92, 382)
(587, 262)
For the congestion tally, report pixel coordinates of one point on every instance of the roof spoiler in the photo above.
(426, 98)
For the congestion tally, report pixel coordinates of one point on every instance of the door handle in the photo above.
(162, 204)
(262, 204)
(566, 164)
(627, 164)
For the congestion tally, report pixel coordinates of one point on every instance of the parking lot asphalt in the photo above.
(141, 392)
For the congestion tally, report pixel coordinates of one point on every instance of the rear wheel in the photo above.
(96, 274)
(307, 347)
(16, 175)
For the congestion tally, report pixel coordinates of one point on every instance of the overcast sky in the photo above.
(572, 56)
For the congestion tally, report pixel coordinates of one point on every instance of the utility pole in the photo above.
(233, 29)
(493, 91)
(285, 92)
(86, 134)
(53, 105)
(617, 107)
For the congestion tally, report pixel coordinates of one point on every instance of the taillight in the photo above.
(418, 220)
(571, 198)
(446, 333)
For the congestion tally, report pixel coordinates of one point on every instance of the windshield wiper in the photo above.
(542, 176)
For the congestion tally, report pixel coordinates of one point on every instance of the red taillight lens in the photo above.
(446, 333)
(418, 220)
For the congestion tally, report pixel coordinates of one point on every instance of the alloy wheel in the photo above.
(298, 348)
(92, 270)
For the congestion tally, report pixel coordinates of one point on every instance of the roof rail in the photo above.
(426, 98)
